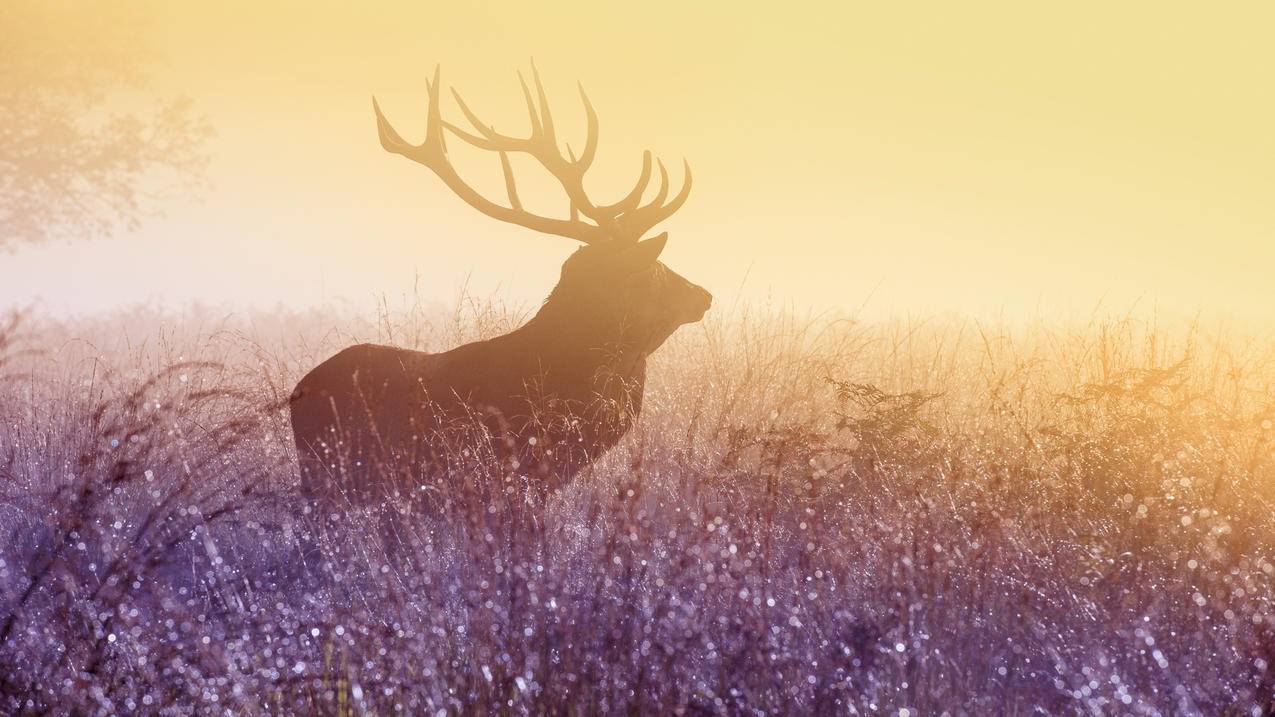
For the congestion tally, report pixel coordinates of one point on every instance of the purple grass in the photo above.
(812, 516)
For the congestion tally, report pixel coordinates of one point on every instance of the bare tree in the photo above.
(77, 159)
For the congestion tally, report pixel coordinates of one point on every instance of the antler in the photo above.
(626, 219)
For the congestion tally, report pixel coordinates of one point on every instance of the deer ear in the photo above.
(645, 252)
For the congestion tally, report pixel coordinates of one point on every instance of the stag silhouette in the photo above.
(548, 397)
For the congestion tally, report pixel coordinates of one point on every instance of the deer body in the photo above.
(544, 400)
(550, 403)
(497, 387)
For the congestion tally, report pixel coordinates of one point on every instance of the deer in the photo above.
(378, 423)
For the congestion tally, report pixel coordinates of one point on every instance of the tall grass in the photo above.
(814, 515)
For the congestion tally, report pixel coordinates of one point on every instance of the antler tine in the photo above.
(662, 193)
(634, 197)
(511, 187)
(575, 213)
(391, 141)
(646, 217)
(487, 132)
(546, 117)
(434, 116)
(591, 139)
(532, 112)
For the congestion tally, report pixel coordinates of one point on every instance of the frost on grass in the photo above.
(810, 518)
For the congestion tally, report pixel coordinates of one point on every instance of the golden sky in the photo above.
(912, 158)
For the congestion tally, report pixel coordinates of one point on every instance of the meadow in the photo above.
(815, 515)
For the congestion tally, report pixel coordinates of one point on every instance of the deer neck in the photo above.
(581, 348)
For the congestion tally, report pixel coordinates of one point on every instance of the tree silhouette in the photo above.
(77, 158)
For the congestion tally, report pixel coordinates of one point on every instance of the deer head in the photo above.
(613, 290)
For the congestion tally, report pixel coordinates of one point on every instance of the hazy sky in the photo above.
(978, 157)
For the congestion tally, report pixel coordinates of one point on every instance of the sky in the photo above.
(980, 158)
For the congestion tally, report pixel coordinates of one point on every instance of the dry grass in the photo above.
(814, 515)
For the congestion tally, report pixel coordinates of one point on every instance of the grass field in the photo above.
(814, 515)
